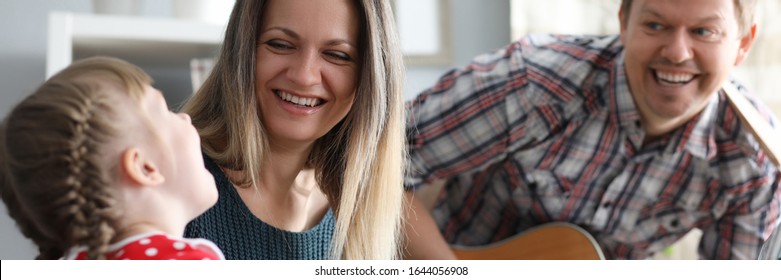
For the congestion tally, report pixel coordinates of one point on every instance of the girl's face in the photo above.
(177, 147)
(307, 68)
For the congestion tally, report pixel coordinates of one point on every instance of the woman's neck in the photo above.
(281, 167)
(286, 194)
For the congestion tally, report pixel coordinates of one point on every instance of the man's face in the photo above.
(678, 53)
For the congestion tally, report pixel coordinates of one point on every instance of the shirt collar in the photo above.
(698, 136)
(622, 103)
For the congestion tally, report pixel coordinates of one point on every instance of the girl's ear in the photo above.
(140, 170)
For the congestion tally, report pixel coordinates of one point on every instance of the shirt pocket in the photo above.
(669, 219)
(541, 188)
(546, 183)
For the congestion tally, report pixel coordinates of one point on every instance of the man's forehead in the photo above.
(704, 11)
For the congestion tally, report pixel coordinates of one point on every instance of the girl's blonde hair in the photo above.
(55, 174)
(359, 164)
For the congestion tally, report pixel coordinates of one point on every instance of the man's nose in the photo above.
(677, 48)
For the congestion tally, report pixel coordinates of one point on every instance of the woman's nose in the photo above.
(305, 69)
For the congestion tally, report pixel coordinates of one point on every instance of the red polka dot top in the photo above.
(155, 246)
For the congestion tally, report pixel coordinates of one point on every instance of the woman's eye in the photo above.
(279, 45)
(339, 56)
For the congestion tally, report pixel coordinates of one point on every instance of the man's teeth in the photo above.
(309, 102)
(677, 78)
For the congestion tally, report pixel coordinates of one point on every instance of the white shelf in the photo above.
(147, 42)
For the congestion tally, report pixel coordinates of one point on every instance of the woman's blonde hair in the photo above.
(55, 176)
(359, 164)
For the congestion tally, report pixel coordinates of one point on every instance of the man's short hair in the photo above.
(744, 12)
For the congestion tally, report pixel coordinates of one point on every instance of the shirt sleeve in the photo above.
(754, 205)
(750, 219)
(461, 123)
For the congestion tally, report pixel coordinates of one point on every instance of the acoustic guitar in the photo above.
(562, 241)
(553, 241)
(766, 135)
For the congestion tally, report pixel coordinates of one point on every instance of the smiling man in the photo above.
(678, 53)
(629, 136)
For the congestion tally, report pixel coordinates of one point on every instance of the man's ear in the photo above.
(140, 169)
(745, 44)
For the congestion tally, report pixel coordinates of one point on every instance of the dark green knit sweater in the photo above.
(241, 235)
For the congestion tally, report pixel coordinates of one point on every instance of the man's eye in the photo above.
(703, 32)
(654, 26)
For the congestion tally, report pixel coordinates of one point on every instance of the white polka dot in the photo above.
(206, 259)
(120, 253)
(180, 254)
(144, 241)
(179, 245)
(151, 252)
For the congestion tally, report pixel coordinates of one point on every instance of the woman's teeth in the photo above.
(301, 101)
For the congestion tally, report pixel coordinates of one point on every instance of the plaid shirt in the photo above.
(546, 130)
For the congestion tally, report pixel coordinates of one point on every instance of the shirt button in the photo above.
(606, 204)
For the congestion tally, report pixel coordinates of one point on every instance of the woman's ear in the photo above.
(140, 170)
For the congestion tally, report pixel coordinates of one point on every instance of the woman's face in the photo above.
(307, 67)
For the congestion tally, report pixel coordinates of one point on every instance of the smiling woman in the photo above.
(306, 73)
(302, 125)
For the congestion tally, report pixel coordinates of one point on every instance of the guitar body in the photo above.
(553, 241)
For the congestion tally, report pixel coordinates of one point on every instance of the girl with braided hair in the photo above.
(95, 166)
